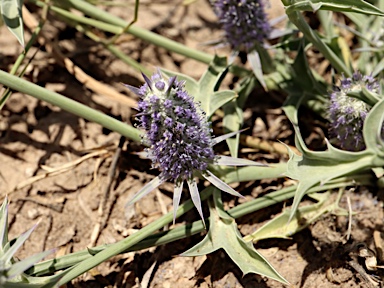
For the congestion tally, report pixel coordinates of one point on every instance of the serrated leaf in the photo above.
(12, 16)
(223, 233)
(316, 168)
(358, 6)
(278, 227)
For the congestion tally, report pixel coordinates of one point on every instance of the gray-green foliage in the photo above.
(318, 167)
(315, 171)
(224, 234)
(11, 270)
(12, 17)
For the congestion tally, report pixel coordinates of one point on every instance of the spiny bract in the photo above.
(176, 129)
(179, 139)
(347, 114)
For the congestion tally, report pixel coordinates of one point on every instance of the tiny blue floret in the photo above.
(347, 114)
(244, 22)
(179, 140)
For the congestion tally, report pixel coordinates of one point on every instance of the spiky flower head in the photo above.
(347, 114)
(179, 139)
(178, 133)
(244, 22)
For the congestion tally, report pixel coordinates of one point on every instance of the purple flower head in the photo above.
(169, 109)
(347, 114)
(179, 139)
(245, 22)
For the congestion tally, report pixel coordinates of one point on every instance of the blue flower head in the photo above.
(177, 132)
(179, 138)
(244, 22)
(347, 114)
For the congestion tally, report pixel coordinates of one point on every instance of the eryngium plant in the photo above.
(11, 270)
(179, 139)
(347, 114)
(244, 22)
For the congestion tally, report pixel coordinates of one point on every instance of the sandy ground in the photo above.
(71, 205)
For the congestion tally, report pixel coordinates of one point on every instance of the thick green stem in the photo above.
(127, 243)
(190, 229)
(110, 23)
(69, 105)
(138, 32)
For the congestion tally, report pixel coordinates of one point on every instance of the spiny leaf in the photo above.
(219, 98)
(316, 168)
(278, 227)
(223, 233)
(233, 112)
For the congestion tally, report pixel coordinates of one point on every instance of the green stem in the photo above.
(128, 242)
(138, 32)
(298, 19)
(69, 105)
(181, 232)
(110, 23)
(113, 49)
